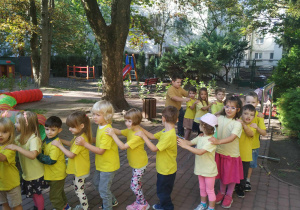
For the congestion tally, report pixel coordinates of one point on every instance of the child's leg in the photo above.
(230, 188)
(5, 206)
(222, 187)
(79, 190)
(180, 128)
(245, 170)
(202, 188)
(104, 189)
(210, 184)
(56, 194)
(39, 201)
(164, 186)
(187, 133)
(136, 185)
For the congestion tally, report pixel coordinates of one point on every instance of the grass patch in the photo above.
(86, 101)
(38, 111)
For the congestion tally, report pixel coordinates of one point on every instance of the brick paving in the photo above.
(267, 191)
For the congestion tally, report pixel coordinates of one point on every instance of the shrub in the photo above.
(289, 112)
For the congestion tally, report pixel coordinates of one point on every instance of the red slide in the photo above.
(126, 70)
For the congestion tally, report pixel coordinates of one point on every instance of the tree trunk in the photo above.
(35, 54)
(44, 69)
(111, 39)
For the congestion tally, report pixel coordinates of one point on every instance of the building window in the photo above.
(271, 56)
(258, 55)
(259, 40)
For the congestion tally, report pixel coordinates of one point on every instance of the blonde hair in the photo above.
(77, 118)
(135, 115)
(105, 108)
(6, 125)
(28, 125)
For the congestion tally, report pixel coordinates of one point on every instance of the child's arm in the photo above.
(121, 145)
(247, 130)
(29, 154)
(147, 133)
(68, 153)
(45, 159)
(259, 130)
(65, 142)
(80, 141)
(117, 131)
(180, 99)
(2, 158)
(187, 145)
(194, 104)
(149, 144)
(229, 139)
(204, 108)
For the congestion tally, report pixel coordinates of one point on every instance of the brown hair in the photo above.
(199, 96)
(28, 125)
(170, 113)
(252, 94)
(77, 118)
(6, 125)
(238, 103)
(217, 90)
(135, 115)
(208, 129)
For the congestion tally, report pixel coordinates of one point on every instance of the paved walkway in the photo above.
(267, 191)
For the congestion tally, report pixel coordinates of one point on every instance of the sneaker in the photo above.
(145, 206)
(240, 192)
(78, 207)
(226, 204)
(67, 207)
(200, 207)
(248, 187)
(157, 207)
(132, 206)
(219, 197)
(114, 203)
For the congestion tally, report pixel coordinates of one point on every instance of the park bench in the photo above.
(150, 82)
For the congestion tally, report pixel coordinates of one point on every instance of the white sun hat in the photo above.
(209, 119)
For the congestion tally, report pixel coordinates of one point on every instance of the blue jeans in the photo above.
(164, 186)
(253, 163)
(180, 128)
(102, 182)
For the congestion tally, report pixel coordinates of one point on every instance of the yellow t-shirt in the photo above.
(32, 169)
(199, 111)
(80, 164)
(136, 154)
(261, 124)
(205, 165)
(57, 171)
(167, 152)
(190, 113)
(216, 107)
(109, 161)
(246, 145)
(172, 91)
(225, 128)
(9, 174)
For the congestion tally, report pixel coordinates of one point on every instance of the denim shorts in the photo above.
(253, 163)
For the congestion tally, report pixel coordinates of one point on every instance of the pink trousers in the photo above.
(206, 185)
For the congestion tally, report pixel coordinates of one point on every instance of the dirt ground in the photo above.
(65, 96)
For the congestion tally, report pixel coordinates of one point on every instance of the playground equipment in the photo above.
(22, 96)
(130, 66)
(7, 68)
(75, 72)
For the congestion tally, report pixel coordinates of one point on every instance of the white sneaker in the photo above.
(200, 207)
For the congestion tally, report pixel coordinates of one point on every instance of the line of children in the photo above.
(190, 112)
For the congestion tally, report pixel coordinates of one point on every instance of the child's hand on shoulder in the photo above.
(254, 125)
(197, 101)
(182, 143)
(239, 120)
(186, 99)
(110, 131)
(56, 143)
(261, 115)
(214, 141)
(140, 134)
(11, 147)
(80, 141)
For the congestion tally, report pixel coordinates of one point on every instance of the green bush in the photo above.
(289, 112)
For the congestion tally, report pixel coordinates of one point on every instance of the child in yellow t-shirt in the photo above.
(54, 164)
(252, 98)
(245, 144)
(10, 190)
(166, 149)
(202, 107)
(190, 113)
(136, 154)
(79, 157)
(218, 106)
(106, 153)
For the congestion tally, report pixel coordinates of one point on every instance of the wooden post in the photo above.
(93, 72)
(87, 72)
(136, 77)
(68, 71)
(74, 71)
